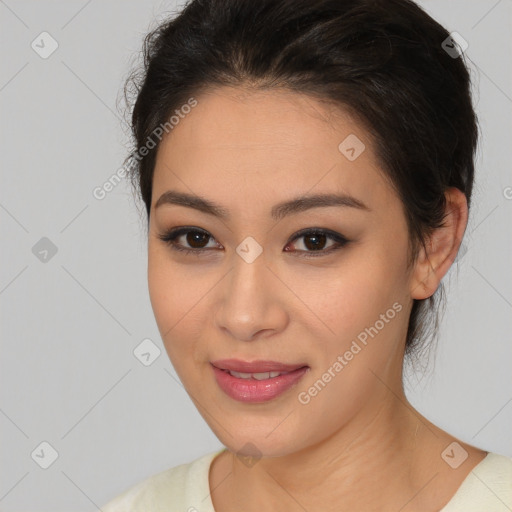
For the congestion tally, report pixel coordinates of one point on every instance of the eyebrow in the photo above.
(280, 210)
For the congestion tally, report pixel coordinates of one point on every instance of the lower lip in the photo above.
(252, 390)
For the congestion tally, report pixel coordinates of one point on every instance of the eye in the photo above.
(199, 241)
(315, 240)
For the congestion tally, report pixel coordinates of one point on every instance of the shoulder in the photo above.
(487, 487)
(178, 487)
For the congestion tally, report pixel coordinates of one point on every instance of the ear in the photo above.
(441, 247)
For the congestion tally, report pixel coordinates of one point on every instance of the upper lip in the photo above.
(238, 365)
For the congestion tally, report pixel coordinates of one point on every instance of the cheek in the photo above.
(175, 295)
(361, 301)
(353, 293)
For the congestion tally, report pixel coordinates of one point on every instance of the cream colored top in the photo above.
(185, 488)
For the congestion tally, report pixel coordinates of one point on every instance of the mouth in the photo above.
(257, 381)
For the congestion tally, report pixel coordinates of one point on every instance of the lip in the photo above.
(237, 365)
(252, 390)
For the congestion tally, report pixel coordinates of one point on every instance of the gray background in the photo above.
(69, 325)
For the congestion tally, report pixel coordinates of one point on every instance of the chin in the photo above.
(258, 439)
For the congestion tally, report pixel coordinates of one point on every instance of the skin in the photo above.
(358, 444)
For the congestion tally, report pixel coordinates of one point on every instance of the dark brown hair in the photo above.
(381, 60)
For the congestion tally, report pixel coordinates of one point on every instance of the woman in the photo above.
(307, 169)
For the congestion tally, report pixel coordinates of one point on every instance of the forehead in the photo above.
(256, 119)
(266, 144)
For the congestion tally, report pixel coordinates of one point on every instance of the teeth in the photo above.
(241, 375)
(257, 376)
(261, 376)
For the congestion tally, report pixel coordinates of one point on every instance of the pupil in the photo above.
(320, 241)
(195, 237)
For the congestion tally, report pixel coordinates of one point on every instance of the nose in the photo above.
(251, 301)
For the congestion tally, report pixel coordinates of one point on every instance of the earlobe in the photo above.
(435, 259)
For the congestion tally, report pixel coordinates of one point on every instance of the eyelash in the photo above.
(170, 237)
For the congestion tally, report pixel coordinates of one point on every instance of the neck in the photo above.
(373, 463)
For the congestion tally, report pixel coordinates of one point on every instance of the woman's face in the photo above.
(336, 313)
